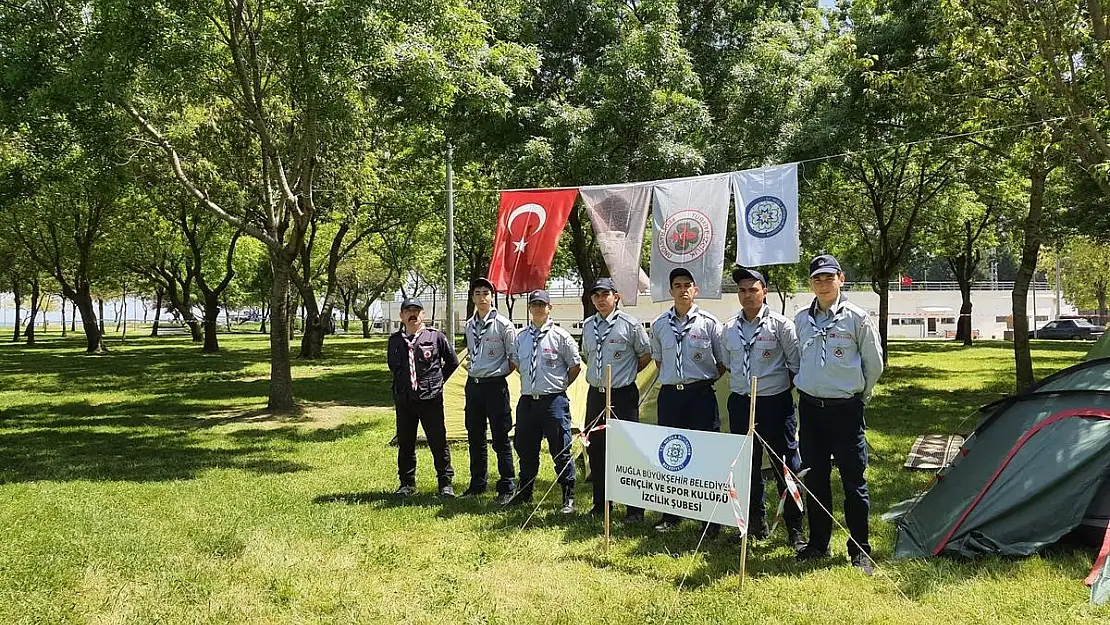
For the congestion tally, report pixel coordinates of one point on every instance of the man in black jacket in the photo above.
(421, 359)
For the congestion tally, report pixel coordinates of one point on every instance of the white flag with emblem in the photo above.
(767, 215)
(689, 218)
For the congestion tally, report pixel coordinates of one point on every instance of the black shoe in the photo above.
(795, 538)
(812, 554)
(405, 491)
(568, 500)
(519, 498)
(634, 518)
(760, 532)
(666, 525)
(503, 499)
(863, 562)
(474, 491)
(596, 511)
(447, 492)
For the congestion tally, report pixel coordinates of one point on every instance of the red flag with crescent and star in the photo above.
(528, 227)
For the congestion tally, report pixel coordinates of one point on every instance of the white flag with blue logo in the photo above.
(766, 215)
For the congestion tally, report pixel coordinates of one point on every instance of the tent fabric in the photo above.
(1101, 348)
(1026, 477)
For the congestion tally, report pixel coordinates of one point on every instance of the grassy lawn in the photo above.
(147, 486)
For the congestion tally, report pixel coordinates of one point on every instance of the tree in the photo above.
(1085, 272)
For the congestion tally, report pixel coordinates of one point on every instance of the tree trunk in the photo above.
(227, 315)
(1023, 360)
(195, 330)
(884, 314)
(312, 338)
(262, 325)
(100, 321)
(17, 293)
(73, 317)
(963, 325)
(281, 375)
(211, 323)
(365, 328)
(347, 313)
(94, 327)
(158, 295)
(63, 307)
(30, 332)
(581, 253)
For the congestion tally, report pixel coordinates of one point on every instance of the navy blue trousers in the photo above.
(836, 430)
(626, 406)
(776, 424)
(694, 408)
(487, 403)
(536, 419)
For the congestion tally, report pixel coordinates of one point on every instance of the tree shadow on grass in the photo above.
(129, 455)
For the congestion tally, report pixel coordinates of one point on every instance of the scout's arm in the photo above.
(716, 339)
(508, 339)
(871, 356)
(450, 358)
(656, 349)
(642, 347)
(572, 358)
(788, 338)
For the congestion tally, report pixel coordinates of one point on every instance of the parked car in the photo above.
(1068, 329)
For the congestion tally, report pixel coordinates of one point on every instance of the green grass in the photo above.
(149, 486)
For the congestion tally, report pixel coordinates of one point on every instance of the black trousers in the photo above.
(626, 406)
(837, 430)
(694, 408)
(429, 414)
(487, 402)
(536, 419)
(776, 424)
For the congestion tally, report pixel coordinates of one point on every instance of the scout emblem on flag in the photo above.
(686, 236)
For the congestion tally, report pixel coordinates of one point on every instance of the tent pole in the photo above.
(747, 525)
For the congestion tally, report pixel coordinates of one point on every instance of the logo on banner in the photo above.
(525, 209)
(686, 236)
(766, 216)
(675, 452)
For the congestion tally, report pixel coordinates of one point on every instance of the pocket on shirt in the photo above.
(701, 343)
(551, 359)
(841, 351)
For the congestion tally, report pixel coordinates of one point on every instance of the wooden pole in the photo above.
(608, 413)
(747, 523)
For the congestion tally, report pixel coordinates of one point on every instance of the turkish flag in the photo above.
(528, 227)
(907, 281)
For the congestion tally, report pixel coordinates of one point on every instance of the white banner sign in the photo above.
(688, 473)
(766, 215)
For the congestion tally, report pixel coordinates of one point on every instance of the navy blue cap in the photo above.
(680, 271)
(539, 296)
(604, 284)
(482, 282)
(411, 302)
(824, 263)
(743, 273)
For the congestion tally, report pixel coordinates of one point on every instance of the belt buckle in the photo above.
(681, 387)
(535, 396)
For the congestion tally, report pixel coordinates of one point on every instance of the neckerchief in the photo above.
(821, 332)
(681, 329)
(749, 343)
(600, 335)
(478, 329)
(411, 342)
(537, 336)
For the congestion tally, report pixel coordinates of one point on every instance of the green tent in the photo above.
(1101, 348)
(1033, 471)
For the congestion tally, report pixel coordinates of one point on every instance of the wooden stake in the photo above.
(747, 523)
(608, 413)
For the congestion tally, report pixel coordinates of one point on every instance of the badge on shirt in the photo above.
(427, 352)
(491, 352)
(766, 354)
(838, 352)
(697, 356)
(616, 355)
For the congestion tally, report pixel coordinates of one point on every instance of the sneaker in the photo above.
(447, 492)
(503, 499)
(474, 491)
(568, 504)
(405, 491)
(863, 562)
(811, 554)
(666, 525)
(795, 538)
